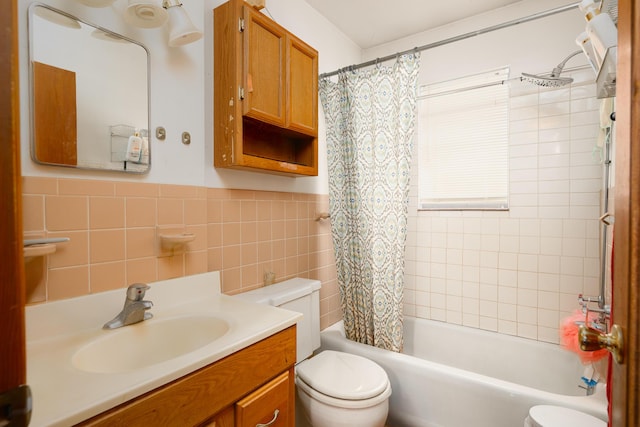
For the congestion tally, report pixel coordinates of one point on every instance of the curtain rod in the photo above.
(511, 23)
(496, 83)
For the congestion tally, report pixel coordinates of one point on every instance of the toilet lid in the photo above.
(343, 375)
(552, 416)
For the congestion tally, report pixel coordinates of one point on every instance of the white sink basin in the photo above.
(148, 343)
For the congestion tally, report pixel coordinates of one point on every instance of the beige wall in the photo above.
(113, 227)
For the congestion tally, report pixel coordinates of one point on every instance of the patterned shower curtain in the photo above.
(370, 121)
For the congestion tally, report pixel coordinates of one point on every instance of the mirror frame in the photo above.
(31, 41)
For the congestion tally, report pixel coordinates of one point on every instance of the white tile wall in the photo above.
(519, 272)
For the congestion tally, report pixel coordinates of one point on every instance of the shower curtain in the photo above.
(370, 121)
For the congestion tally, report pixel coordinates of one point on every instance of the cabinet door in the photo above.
(264, 68)
(267, 406)
(56, 134)
(302, 86)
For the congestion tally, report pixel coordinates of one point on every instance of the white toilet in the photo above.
(333, 389)
(557, 416)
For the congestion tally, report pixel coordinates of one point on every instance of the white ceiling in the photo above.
(373, 22)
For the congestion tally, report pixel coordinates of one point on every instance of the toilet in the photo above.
(557, 416)
(333, 389)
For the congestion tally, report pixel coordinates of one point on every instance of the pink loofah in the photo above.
(569, 338)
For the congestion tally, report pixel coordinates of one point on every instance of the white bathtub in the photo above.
(456, 376)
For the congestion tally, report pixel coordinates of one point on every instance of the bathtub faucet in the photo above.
(589, 385)
(604, 313)
(135, 308)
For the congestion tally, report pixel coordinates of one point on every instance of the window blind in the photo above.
(463, 130)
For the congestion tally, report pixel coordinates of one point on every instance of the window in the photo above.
(463, 131)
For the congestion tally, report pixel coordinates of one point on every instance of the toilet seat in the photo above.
(343, 379)
(343, 375)
(556, 416)
(343, 403)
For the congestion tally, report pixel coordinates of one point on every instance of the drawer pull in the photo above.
(273, 420)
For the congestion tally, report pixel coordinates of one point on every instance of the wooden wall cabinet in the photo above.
(265, 94)
(241, 390)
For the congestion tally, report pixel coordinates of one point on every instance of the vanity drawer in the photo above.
(267, 406)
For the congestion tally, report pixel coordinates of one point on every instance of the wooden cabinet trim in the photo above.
(227, 64)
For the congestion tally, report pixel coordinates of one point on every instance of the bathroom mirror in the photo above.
(89, 94)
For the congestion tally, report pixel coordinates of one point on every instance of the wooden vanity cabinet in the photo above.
(265, 94)
(240, 390)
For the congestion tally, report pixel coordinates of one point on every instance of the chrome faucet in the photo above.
(601, 323)
(134, 310)
(589, 385)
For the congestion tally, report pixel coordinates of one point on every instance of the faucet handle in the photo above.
(136, 291)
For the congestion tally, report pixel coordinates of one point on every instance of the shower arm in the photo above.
(558, 69)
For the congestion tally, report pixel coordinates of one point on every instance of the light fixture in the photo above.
(97, 3)
(154, 13)
(181, 29)
(145, 14)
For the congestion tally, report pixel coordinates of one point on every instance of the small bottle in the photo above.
(134, 148)
(144, 154)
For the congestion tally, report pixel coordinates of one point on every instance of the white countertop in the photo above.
(64, 395)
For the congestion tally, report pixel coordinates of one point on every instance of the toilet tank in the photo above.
(301, 295)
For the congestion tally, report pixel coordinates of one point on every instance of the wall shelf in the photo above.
(42, 246)
(606, 78)
(39, 250)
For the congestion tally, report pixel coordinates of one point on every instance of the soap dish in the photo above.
(176, 239)
(41, 246)
(173, 244)
(39, 250)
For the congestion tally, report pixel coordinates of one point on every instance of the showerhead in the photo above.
(553, 79)
(546, 81)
